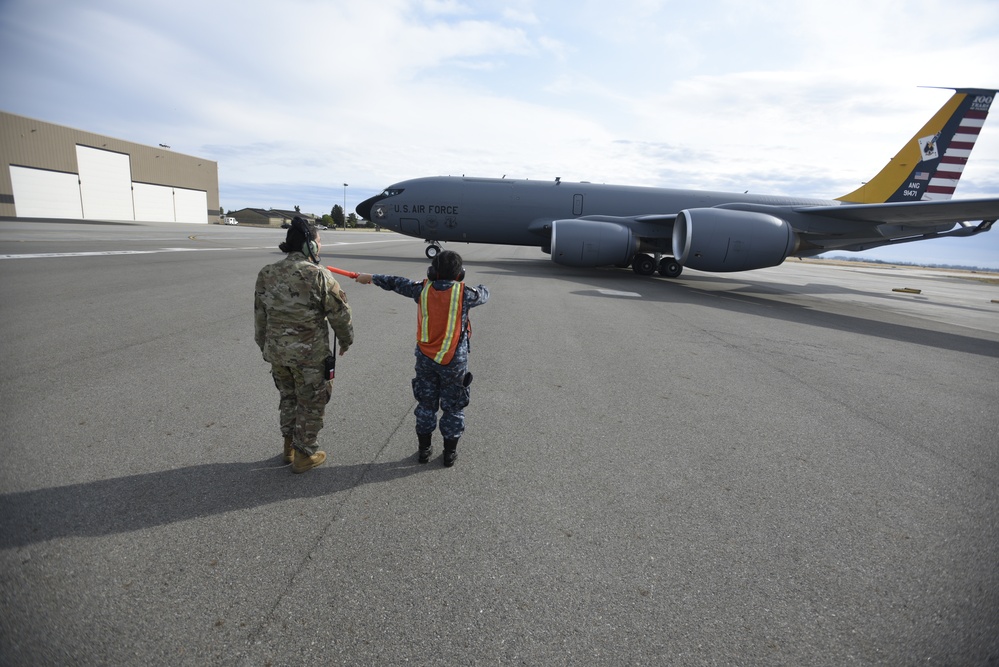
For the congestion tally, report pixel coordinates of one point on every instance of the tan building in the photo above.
(50, 171)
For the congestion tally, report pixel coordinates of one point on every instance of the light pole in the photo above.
(344, 207)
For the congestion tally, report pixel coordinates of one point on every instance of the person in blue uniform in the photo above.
(442, 336)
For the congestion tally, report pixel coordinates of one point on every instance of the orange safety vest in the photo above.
(438, 324)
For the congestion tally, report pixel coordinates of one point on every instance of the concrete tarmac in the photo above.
(791, 466)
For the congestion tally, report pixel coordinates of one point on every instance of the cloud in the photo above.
(789, 97)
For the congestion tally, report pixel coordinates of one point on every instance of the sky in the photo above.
(294, 99)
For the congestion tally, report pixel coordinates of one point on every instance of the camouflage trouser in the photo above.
(304, 395)
(440, 387)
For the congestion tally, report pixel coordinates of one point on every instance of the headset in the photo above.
(308, 244)
(433, 272)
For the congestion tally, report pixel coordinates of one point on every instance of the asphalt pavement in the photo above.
(793, 466)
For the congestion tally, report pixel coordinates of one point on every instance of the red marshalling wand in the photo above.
(343, 272)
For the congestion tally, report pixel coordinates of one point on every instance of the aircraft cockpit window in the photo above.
(391, 192)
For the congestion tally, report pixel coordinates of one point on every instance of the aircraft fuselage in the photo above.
(519, 212)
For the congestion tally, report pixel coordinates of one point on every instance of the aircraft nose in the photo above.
(364, 208)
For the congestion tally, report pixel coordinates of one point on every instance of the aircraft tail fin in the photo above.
(929, 165)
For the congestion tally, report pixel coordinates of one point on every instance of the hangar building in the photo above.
(51, 171)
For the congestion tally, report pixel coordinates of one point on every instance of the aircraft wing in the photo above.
(543, 225)
(917, 213)
(835, 227)
(649, 225)
(654, 223)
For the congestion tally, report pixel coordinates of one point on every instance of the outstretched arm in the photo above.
(397, 284)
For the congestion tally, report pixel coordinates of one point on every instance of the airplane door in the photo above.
(577, 204)
(409, 226)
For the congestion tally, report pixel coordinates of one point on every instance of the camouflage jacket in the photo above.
(293, 302)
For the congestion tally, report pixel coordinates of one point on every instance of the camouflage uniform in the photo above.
(436, 386)
(294, 300)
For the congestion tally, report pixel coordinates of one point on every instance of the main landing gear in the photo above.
(646, 265)
(432, 250)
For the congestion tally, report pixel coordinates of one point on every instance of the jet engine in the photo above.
(717, 239)
(591, 243)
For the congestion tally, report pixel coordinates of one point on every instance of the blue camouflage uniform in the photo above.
(439, 386)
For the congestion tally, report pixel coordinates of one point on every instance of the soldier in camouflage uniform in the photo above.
(443, 331)
(295, 299)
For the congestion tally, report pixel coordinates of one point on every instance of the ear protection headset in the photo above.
(308, 244)
(433, 272)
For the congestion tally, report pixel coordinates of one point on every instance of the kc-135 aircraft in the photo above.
(588, 225)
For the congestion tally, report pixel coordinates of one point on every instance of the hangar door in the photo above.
(40, 193)
(105, 184)
(153, 203)
(162, 203)
(190, 205)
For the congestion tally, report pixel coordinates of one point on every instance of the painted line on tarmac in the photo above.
(327, 243)
(105, 253)
(614, 292)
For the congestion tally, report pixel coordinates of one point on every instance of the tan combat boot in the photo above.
(304, 462)
(289, 451)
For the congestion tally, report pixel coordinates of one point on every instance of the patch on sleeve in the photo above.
(343, 296)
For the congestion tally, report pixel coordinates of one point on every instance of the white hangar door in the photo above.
(190, 205)
(40, 193)
(153, 203)
(105, 184)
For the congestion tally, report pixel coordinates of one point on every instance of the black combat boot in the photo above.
(450, 451)
(425, 449)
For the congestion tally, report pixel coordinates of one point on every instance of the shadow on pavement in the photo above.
(136, 502)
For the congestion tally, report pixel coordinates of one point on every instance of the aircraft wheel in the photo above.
(643, 265)
(670, 268)
(432, 251)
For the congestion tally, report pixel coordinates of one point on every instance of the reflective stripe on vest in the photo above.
(438, 327)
